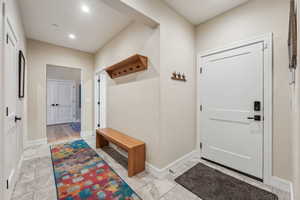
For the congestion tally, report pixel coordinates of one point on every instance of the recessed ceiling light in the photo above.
(72, 36)
(85, 8)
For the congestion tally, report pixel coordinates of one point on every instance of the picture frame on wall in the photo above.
(21, 75)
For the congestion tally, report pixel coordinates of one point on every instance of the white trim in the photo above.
(103, 99)
(86, 134)
(96, 89)
(15, 175)
(282, 184)
(292, 194)
(163, 172)
(30, 143)
(2, 43)
(60, 80)
(267, 39)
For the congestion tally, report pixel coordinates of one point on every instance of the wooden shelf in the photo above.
(130, 65)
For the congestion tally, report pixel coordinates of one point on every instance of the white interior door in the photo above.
(61, 106)
(51, 108)
(11, 152)
(231, 91)
(66, 102)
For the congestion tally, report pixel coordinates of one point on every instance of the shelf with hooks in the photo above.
(130, 65)
(178, 77)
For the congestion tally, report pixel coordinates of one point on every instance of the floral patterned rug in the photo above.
(81, 174)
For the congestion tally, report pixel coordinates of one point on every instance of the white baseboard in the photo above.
(12, 180)
(161, 173)
(281, 184)
(292, 194)
(85, 134)
(35, 142)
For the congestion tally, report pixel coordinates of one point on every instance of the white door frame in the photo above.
(267, 40)
(103, 103)
(2, 43)
(82, 110)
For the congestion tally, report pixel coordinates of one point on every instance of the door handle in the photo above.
(255, 118)
(53, 104)
(17, 118)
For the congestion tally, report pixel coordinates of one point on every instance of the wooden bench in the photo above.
(135, 148)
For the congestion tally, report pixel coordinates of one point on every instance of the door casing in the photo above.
(267, 40)
(1, 102)
(100, 118)
(82, 110)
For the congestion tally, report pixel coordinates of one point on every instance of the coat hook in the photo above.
(178, 76)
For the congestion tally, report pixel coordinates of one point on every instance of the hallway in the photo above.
(36, 180)
(61, 132)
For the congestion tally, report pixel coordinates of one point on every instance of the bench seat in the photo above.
(136, 149)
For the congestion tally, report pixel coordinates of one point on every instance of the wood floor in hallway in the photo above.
(61, 132)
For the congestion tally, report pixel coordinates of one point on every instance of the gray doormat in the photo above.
(210, 184)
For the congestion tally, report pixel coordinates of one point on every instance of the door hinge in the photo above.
(200, 145)
(201, 70)
(6, 111)
(7, 38)
(3, 9)
(7, 184)
(201, 107)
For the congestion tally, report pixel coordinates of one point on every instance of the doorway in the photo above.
(235, 101)
(63, 103)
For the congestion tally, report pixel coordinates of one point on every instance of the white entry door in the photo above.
(232, 108)
(60, 102)
(11, 149)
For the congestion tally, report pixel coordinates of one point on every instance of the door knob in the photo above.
(255, 118)
(17, 118)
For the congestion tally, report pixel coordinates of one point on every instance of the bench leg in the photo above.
(136, 160)
(100, 141)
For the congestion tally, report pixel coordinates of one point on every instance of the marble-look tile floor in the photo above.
(58, 133)
(36, 180)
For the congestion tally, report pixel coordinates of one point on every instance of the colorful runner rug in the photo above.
(81, 174)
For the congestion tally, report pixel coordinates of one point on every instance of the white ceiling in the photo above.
(53, 20)
(198, 11)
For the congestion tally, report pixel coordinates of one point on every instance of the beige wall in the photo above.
(133, 101)
(169, 104)
(252, 19)
(39, 55)
(63, 73)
